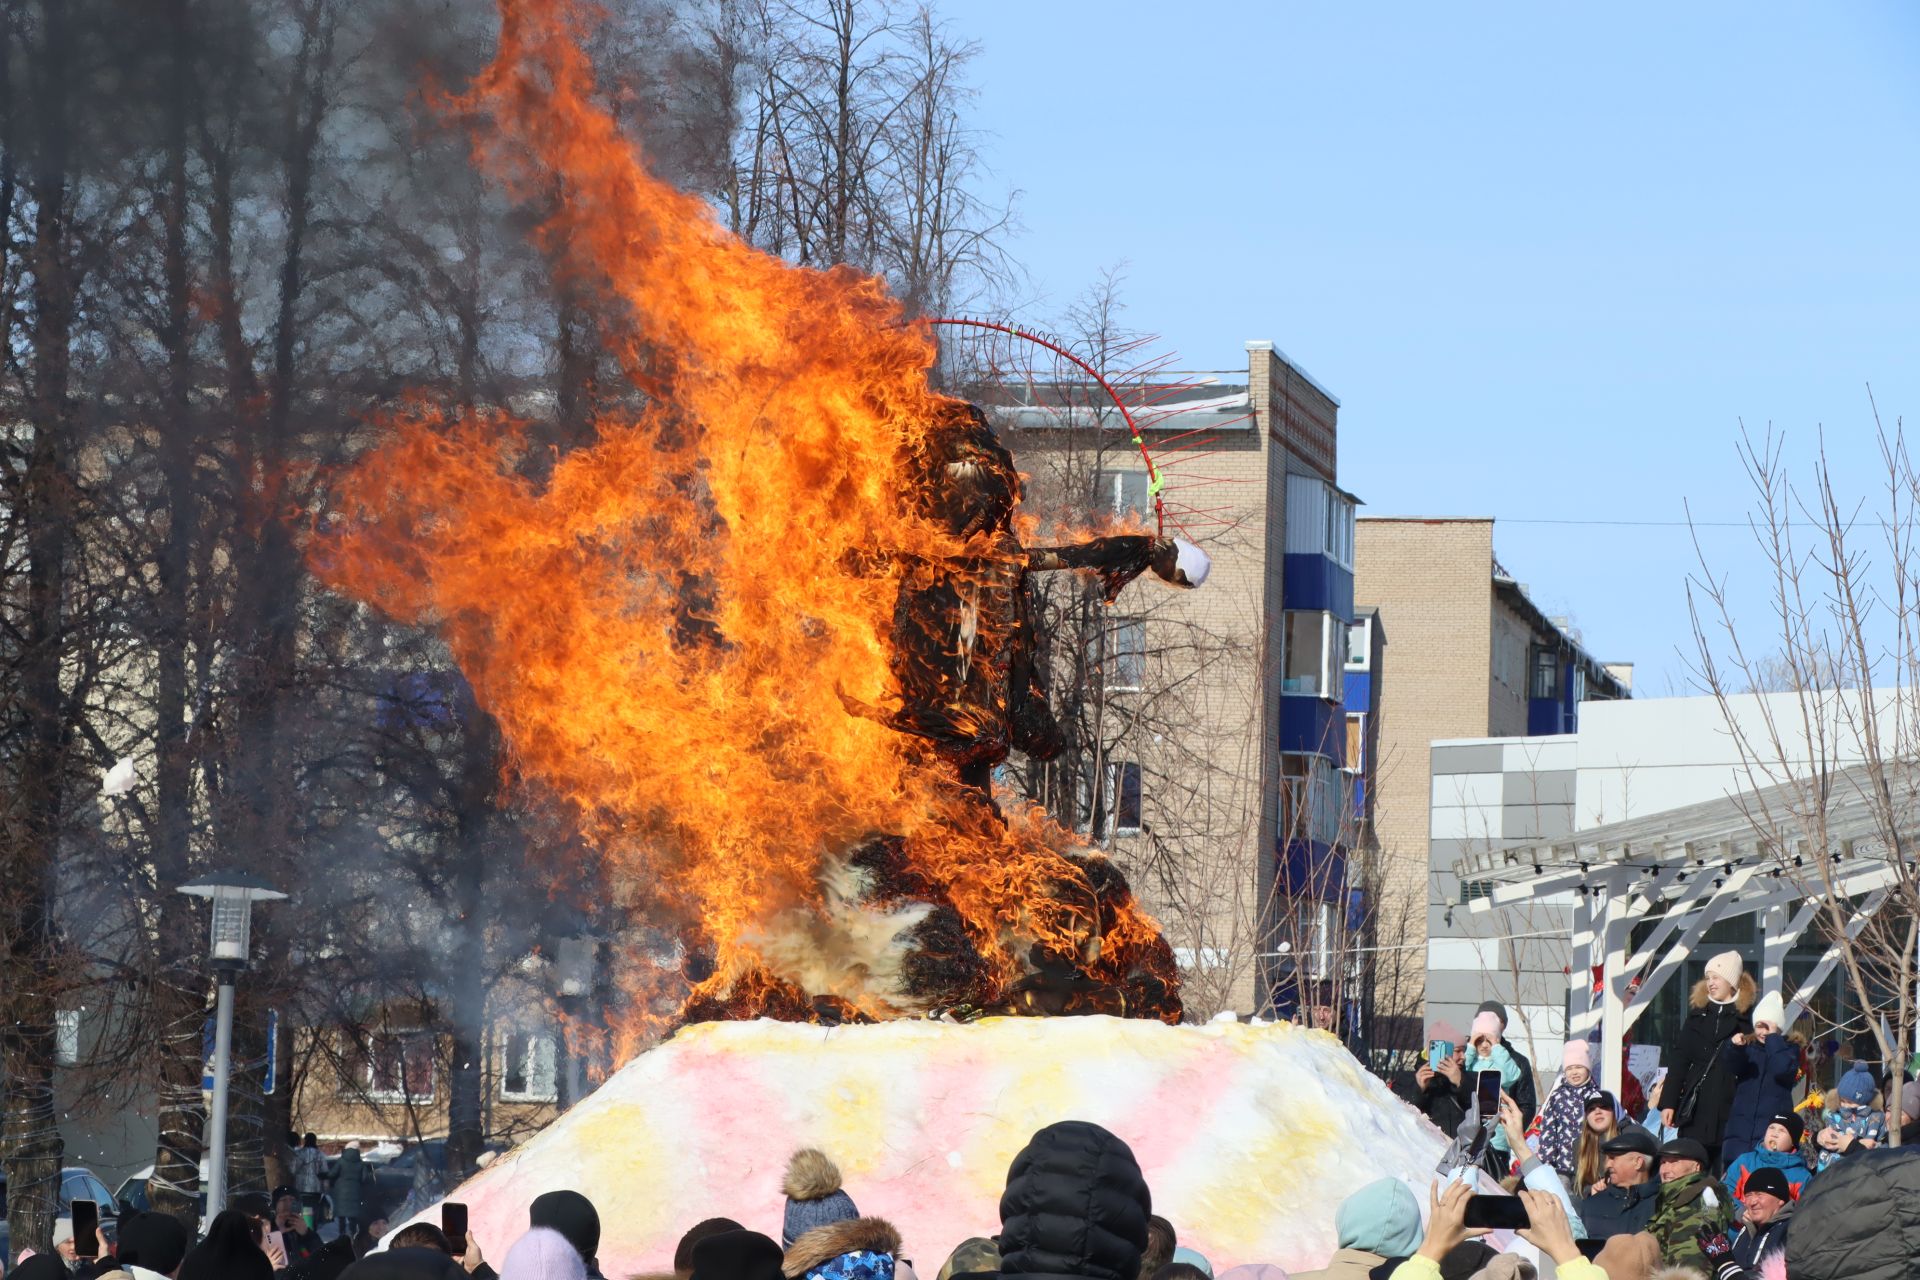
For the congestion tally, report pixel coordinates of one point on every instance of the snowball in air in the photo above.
(120, 779)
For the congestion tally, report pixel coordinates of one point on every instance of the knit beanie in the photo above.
(814, 1197)
(1910, 1100)
(737, 1255)
(1485, 1024)
(1791, 1122)
(1857, 1086)
(1727, 966)
(156, 1241)
(974, 1256)
(1381, 1217)
(1771, 1010)
(1497, 1009)
(543, 1254)
(1578, 1053)
(572, 1215)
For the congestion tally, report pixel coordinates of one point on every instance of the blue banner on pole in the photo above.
(268, 1067)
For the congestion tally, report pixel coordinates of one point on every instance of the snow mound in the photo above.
(1249, 1136)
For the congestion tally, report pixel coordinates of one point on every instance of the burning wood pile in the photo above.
(765, 637)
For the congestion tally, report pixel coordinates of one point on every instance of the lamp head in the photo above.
(233, 894)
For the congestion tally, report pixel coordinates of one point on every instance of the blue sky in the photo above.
(1549, 256)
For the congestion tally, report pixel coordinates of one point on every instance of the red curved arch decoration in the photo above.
(1155, 483)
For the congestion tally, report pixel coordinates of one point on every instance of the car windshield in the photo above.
(133, 1195)
(78, 1184)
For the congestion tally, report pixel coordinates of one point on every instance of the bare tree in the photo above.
(850, 144)
(1827, 765)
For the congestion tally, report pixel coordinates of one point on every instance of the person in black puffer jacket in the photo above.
(1697, 1096)
(1075, 1205)
(1860, 1220)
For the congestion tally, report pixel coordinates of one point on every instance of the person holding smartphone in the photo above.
(1447, 1229)
(1437, 1085)
(299, 1240)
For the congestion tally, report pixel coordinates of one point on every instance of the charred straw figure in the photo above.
(963, 637)
(964, 656)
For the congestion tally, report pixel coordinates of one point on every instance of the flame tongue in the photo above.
(672, 628)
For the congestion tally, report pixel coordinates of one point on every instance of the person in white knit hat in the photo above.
(1697, 1096)
(1766, 1066)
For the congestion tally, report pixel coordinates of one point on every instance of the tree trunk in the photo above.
(478, 794)
(32, 1139)
(260, 800)
(180, 982)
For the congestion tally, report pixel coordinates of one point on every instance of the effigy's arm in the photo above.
(1118, 560)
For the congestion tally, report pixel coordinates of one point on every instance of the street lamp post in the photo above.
(233, 894)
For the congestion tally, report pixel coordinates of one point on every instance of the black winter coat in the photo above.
(1752, 1244)
(1860, 1220)
(1763, 1080)
(1437, 1102)
(1075, 1205)
(1700, 1068)
(1619, 1211)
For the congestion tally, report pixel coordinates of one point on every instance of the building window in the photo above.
(1124, 493)
(1309, 799)
(1123, 667)
(66, 1037)
(1113, 808)
(1126, 809)
(1472, 889)
(1546, 673)
(1340, 528)
(1360, 645)
(1315, 647)
(529, 1068)
(1319, 520)
(1356, 742)
(400, 1067)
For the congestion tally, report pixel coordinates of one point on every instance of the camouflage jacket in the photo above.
(1686, 1207)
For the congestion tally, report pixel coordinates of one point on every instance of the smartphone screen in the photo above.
(86, 1228)
(1438, 1052)
(1488, 1086)
(1500, 1213)
(453, 1221)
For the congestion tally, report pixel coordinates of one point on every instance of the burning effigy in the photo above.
(762, 641)
(764, 637)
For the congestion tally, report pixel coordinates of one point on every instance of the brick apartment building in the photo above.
(1220, 781)
(1473, 657)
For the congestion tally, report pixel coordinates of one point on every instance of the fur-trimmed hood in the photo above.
(811, 1175)
(823, 1244)
(1744, 995)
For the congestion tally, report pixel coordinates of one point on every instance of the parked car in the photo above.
(135, 1196)
(75, 1184)
(391, 1181)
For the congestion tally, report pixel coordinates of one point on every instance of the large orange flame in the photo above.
(671, 627)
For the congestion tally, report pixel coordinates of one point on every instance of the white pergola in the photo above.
(1702, 863)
